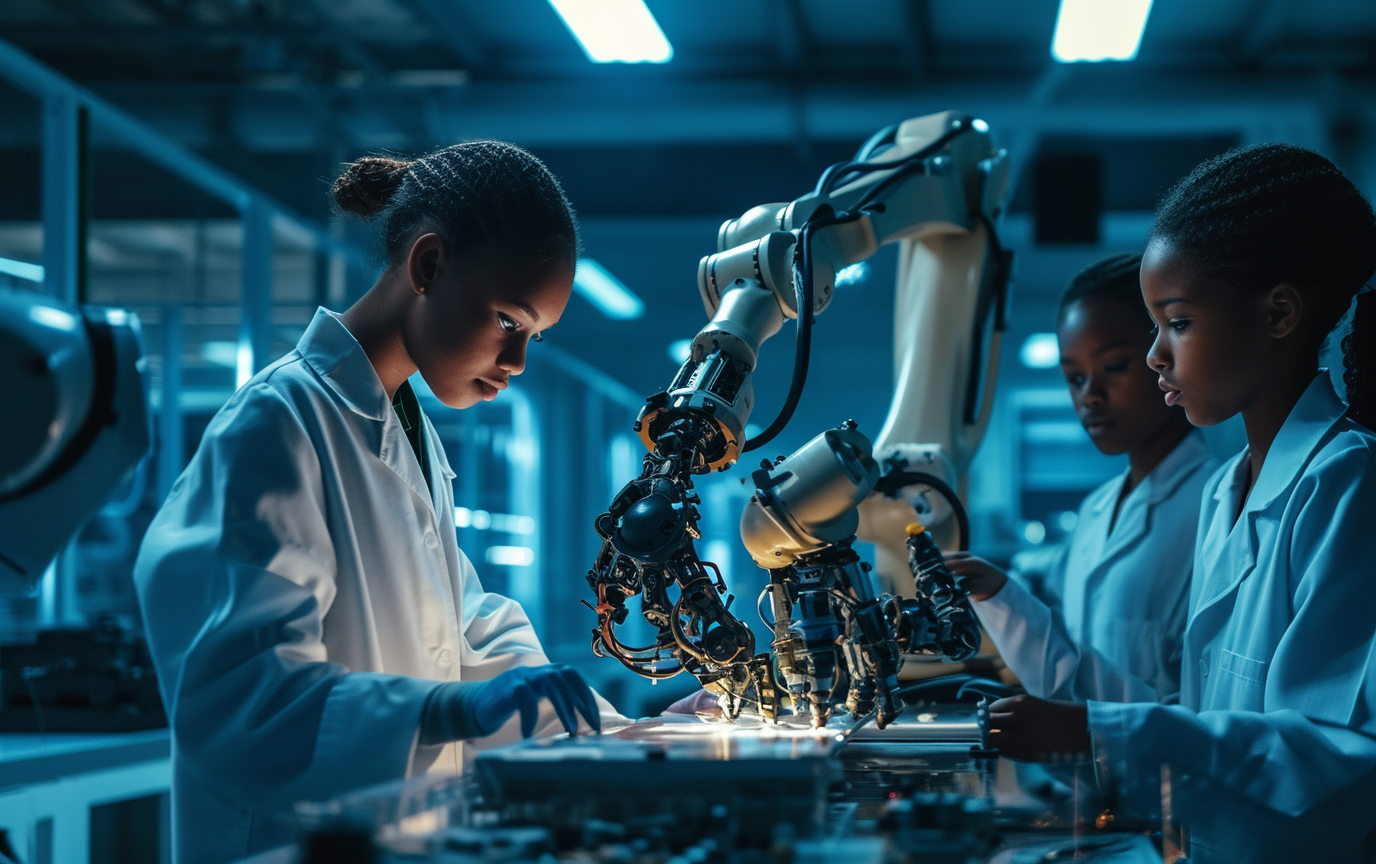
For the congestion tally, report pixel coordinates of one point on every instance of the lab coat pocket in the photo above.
(1243, 681)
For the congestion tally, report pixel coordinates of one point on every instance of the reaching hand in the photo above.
(522, 688)
(1039, 730)
(982, 579)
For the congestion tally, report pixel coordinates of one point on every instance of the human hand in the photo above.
(701, 702)
(1039, 730)
(522, 688)
(982, 579)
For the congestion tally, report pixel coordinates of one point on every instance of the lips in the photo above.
(490, 388)
(1172, 393)
(1096, 425)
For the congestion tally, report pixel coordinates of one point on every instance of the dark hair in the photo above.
(478, 195)
(1112, 278)
(1273, 213)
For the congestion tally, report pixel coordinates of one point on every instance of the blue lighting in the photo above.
(605, 291)
(1040, 351)
(615, 31)
(680, 350)
(21, 270)
(1095, 30)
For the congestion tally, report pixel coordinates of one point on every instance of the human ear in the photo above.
(1283, 306)
(423, 264)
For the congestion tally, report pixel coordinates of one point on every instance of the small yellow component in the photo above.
(915, 528)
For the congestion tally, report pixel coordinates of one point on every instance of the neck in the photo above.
(376, 324)
(1143, 460)
(1264, 417)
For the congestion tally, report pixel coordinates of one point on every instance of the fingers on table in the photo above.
(528, 701)
(582, 697)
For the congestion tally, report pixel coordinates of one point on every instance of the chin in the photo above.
(461, 397)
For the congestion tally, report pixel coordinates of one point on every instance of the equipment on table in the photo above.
(91, 680)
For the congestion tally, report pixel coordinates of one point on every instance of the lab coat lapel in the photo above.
(1229, 552)
(1135, 517)
(335, 355)
(397, 454)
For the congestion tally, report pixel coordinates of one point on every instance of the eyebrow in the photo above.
(1162, 304)
(528, 309)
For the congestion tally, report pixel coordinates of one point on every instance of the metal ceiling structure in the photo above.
(759, 97)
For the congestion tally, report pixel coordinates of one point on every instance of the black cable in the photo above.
(890, 483)
(802, 341)
(829, 181)
(802, 274)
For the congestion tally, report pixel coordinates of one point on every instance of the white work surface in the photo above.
(48, 784)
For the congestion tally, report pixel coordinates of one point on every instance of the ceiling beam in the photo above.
(454, 31)
(688, 113)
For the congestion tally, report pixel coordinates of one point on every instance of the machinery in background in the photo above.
(75, 379)
(73, 680)
(936, 185)
(76, 375)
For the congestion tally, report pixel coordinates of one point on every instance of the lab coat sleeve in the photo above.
(1034, 642)
(498, 636)
(1317, 735)
(235, 576)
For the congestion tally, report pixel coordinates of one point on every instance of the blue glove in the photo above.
(475, 709)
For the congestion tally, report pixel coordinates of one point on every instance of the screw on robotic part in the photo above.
(850, 424)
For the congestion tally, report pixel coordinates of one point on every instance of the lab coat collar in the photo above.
(1162, 481)
(1299, 436)
(334, 353)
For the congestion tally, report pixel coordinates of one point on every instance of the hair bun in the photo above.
(366, 187)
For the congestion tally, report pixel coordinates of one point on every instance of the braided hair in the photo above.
(1113, 278)
(1273, 213)
(486, 196)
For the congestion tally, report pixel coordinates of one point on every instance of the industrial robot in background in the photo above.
(936, 185)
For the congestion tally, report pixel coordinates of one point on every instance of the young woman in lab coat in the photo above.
(1119, 591)
(314, 625)
(1271, 753)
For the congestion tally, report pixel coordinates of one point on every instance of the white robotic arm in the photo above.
(936, 184)
(77, 421)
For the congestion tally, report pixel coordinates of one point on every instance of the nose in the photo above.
(1094, 394)
(512, 360)
(1158, 358)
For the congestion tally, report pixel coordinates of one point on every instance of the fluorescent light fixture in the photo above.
(1040, 351)
(21, 270)
(605, 291)
(615, 31)
(1095, 30)
(511, 556)
(680, 350)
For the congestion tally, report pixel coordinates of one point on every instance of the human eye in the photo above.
(507, 323)
(1074, 379)
(1155, 329)
(1120, 366)
(1179, 325)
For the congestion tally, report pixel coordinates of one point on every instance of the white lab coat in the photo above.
(303, 592)
(1272, 749)
(1118, 597)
